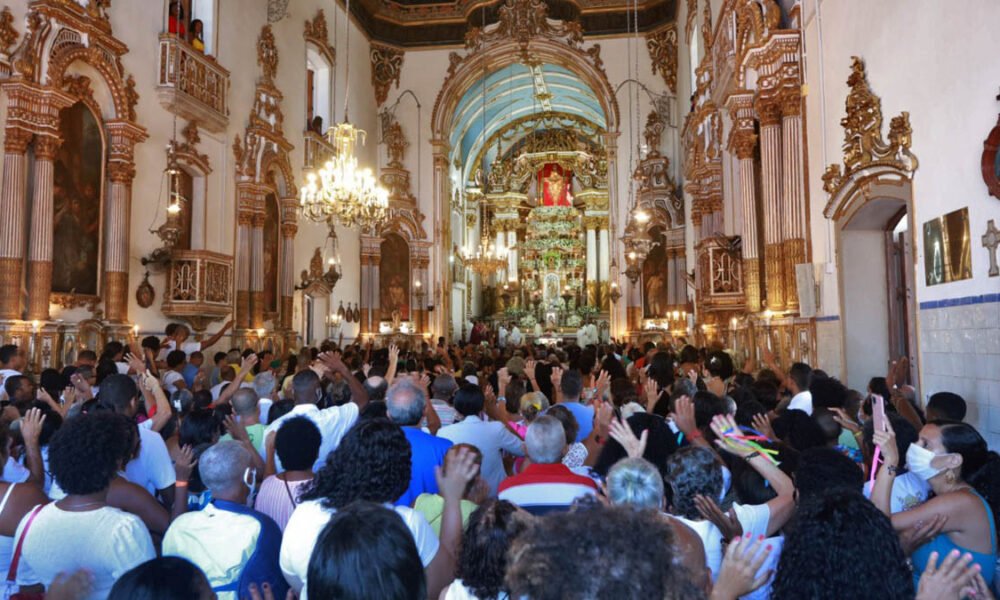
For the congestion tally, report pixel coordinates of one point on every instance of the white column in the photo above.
(592, 255)
(603, 252)
(501, 246)
(512, 255)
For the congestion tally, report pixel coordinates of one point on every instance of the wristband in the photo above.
(751, 456)
(180, 484)
(694, 434)
(892, 470)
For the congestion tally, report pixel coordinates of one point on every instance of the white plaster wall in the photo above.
(138, 25)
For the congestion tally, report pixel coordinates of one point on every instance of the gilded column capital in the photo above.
(768, 110)
(46, 147)
(289, 230)
(16, 140)
(244, 219)
(790, 100)
(121, 172)
(743, 142)
(594, 223)
(259, 219)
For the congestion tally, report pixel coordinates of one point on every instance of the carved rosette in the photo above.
(662, 46)
(387, 64)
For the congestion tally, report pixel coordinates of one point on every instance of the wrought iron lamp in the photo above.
(170, 231)
(615, 293)
(638, 243)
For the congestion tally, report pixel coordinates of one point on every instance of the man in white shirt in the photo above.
(11, 363)
(173, 379)
(491, 437)
(332, 422)
(502, 336)
(177, 336)
(797, 383)
(515, 338)
(228, 375)
(153, 468)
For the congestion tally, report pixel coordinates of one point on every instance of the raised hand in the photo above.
(603, 379)
(460, 468)
(723, 424)
(652, 393)
(135, 364)
(248, 363)
(503, 380)
(393, 353)
(949, 579)
(31, 426)
(236, 429)
(81, 385)
(683, 416)
(184, 463)
(529, 369)
(557, 374)
(762, 424)
(333, 362)
(634, 447)
(727, 522)
(738, 575)
(886, 441)
(840, 416)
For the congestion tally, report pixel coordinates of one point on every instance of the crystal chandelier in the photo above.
(340, 190)
(487, 259)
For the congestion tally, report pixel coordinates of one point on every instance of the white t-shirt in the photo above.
(458, 591)
(754, 518)
(332, 423)
(107, 542)
(802, 401)
(711, 537)
(170, 379)
(217, 390)
(908, 491)
(171, 345)
(311, 517)
(152, 469)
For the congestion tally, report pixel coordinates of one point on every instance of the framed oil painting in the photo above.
(655, 297)
(77, 191)
(955, 226)
(394, 278)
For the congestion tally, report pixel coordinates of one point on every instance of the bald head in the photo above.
(245, 402)
(405, 402)
(545, 440)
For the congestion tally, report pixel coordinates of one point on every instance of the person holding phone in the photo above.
(965, 477)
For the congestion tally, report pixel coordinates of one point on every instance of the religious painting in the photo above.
(555, 183)
(271, 249)
(958, 244)
(654, 284)
(934, 250)
(551, 289)
(77, 196)
(394, 278)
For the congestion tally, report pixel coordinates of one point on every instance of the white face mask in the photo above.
(918, 461)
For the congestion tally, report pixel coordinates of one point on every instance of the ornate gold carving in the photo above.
(863, 142)
(39, 287)
(692, 14)
(794, 254)
(199, 286)
(396, 144)
(131, 97)
(653, 132)
(316, 32)
(46, 147)
(16, 140)
(768, 111)
(790, 100)
(71, 301)
(79, 87)
(121, 172)
(774, 278)
(116, 296)
(8, 34)
(706, 26)
(267, 54)
(10, 279)
(743, 143)
(751, 283)
(521, 20)
(289, 230)
(145, 294)
(387, 64)
(662, 46)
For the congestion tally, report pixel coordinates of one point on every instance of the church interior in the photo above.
(813, 180)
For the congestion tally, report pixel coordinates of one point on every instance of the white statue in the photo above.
(502, 336)
(515, 337)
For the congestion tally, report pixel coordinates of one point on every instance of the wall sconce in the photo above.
(615, 293)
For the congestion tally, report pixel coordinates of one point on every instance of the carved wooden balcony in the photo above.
(199, 287)
(317, 149)
(193, 86)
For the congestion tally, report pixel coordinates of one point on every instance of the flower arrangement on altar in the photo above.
(528, 321)
(587, 312)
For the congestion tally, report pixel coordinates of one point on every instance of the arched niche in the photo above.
(874, 227)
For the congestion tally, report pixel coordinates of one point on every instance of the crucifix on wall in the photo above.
(991, 239)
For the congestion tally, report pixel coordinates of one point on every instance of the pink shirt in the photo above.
(278, 499)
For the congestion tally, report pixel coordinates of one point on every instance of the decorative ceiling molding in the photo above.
(317, 34)
(662, 46)
(414, 23)
(387, 64)
(864, 147)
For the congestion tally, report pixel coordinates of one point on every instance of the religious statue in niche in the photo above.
(555, 183)
(655, 297)
(271, 253)
(394, 278)
(77, 202)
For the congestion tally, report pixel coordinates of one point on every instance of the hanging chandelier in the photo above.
(340, 190)
(487, 259)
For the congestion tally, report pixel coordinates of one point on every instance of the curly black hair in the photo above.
(163, 578)
(609, 552)
(841, 546)
(87, 452)
(482, 560)
(691, 471)
(372, 463)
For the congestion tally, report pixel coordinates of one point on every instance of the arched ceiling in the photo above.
(512, 93)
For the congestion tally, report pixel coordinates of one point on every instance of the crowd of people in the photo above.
(475, 471)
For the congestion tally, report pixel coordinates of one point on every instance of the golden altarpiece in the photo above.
(71, 125)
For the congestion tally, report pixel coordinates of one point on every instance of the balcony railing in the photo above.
(318, 150)
(199, 287)
(192, 85)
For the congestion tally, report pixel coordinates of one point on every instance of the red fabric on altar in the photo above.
(555, 183)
